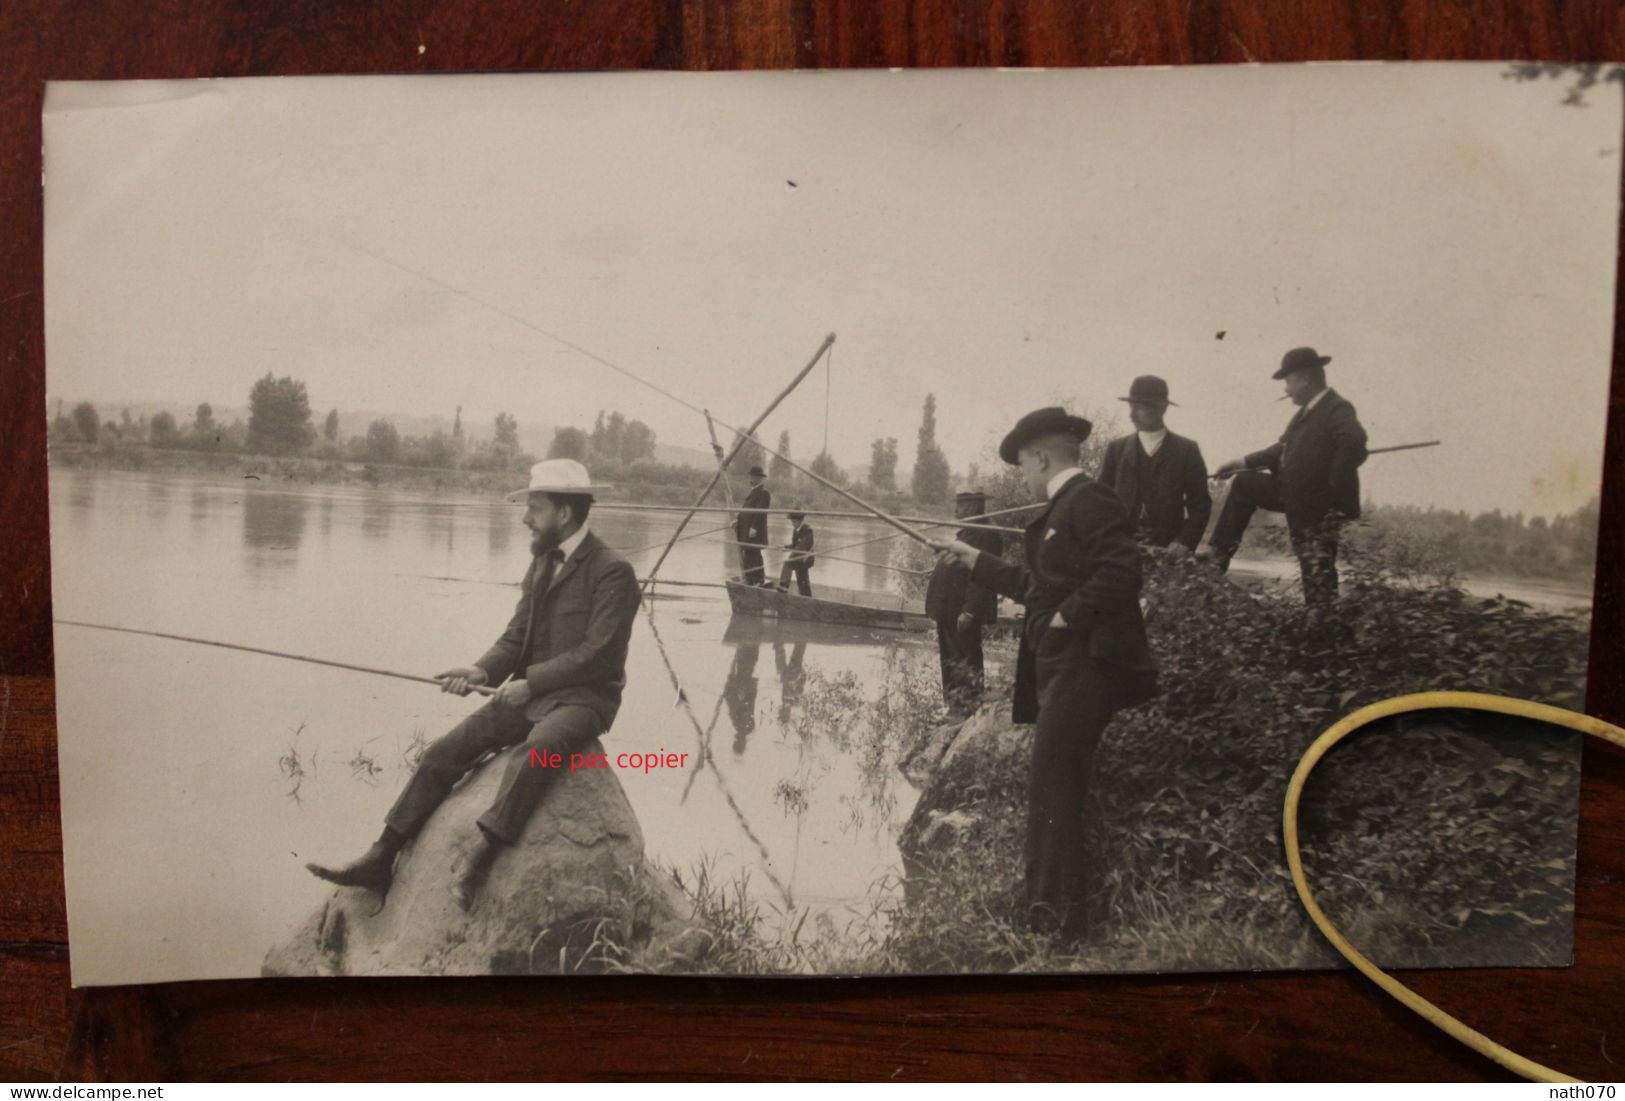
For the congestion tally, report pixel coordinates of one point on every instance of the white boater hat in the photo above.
(558, 476)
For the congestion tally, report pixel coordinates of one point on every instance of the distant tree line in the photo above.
(280, 423)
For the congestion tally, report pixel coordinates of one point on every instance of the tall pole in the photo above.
(738, 443)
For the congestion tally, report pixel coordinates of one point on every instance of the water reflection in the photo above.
(792, 676)
(440, 526)
(499, 525)
(273, 527)
(740, 692)
(377, 512)
(158, 500)
(327, 518)
(201, 502)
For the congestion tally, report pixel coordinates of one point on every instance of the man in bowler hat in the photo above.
(1311, 474)
(1158, 474)
(1083, 656)
(961, 608)
(561, 664)
(750, 527)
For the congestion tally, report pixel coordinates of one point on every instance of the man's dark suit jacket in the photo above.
(1318, 461)
(950, 591)
(801, 547)
(571, 646)
(751, 527)
(1082, 560)
(1174, 481)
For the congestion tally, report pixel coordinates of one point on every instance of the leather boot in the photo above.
(373, 871)
(476, 863)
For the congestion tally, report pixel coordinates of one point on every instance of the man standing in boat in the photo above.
(750, 528)
(1158, 475)
(799, 558)
(565, 650)
(1083, 656)
(961, 608)
(1312, 474)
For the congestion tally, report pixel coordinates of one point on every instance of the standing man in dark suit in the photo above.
(565, 649)
(961, 608)
(1312, 474)
(800, 558)
(750, 527)
(1157, 474)
(1083, 657)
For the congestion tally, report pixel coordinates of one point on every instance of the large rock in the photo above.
(573, 895)
(970, 770)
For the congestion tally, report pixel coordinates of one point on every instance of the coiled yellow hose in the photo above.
(1397, 705)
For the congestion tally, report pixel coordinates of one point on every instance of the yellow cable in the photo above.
(1421, 701)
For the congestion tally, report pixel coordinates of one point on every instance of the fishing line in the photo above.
(481, 689)
(1399, 705)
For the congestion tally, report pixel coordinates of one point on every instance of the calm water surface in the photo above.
(187, 835)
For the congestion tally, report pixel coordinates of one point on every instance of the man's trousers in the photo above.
(803, 576)
(962, 667)
(750, 562)
(1314, 539)
(1076, 701)
(564, 730)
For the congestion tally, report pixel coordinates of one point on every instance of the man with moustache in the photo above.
(565, 652)
(1312, 474)
(1083, 656)
(1158, 474)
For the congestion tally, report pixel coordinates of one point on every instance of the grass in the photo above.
(1435, 840)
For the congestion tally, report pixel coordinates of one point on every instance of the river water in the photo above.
(197, 781)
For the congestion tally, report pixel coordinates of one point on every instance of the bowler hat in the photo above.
(757, 472)
(1038, 424)
(1299, 359)
(1149, 388)
(558, 476)
(970, 495)
(796, 514)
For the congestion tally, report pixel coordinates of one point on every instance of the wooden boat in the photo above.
(830, 604)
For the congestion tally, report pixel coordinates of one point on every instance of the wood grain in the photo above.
(1225, 1027)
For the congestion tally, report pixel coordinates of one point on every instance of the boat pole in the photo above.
(739, 442)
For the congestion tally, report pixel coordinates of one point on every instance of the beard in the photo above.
(542, 541)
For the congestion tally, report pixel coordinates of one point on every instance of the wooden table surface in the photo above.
(1274, 1026)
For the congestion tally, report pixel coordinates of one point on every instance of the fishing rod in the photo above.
(961, 521)
(923, 521)
(741, 436)
(1369, 451)
(481, 689)
(816, 553)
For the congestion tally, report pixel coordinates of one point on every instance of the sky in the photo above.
(997, 239)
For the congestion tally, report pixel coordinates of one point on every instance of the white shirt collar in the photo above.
(1310, 404)
(1060, 479)
(568, 547)
(1152, 441)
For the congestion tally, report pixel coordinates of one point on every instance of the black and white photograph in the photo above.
(821, 523)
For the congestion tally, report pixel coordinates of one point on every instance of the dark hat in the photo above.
(757, 472)
(1148, 388)
(796, 514)
(1037, 424)
(1299, 359)
(970, 495)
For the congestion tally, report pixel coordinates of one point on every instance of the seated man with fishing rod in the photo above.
(565, 650)
(1083, 657)
(1312, 474)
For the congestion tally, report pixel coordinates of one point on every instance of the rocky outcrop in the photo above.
(574, 895)
(969, 771)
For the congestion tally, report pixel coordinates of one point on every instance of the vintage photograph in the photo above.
(821, 523)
